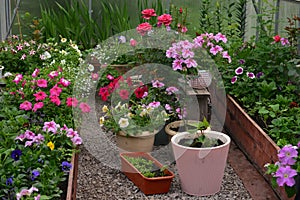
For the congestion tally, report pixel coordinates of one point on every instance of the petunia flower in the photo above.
(287, 155)
(285, 176)
(85, 108)
(239, 71)
(26, 105)
(233, 79)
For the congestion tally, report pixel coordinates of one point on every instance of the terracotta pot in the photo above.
(252, 140)
(201, 170)
(138, 143)
(72, 180)
(156, 185)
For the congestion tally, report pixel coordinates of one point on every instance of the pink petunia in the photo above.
(40, 96)
(177, 64)
(220, 37)
(53, 74)
(76, 140)
(157, 84)
(55, 100)
(26, 105)
(42, 83)
(226, 55)
(50, 127)
(71, 133)
(35, 73)
(64, 82)
(37, 106)
(154, 104)
(71, 102)
(190, 63)
(55, 91)
(95, 76)
(216, 49)
(85, 108)
(18, 78)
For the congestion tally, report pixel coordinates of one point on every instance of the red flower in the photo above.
(148, 13)
(144, 28)
(277, 38)
(180, 10)
(140, 91)
(165, 19)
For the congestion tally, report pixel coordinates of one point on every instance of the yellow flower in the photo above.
(50, 145)
(101, 121)
(105, 109)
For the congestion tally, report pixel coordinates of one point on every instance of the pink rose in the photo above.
(144, 28)
(148, 13)
(165, 19)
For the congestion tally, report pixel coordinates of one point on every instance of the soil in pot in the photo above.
(200, 142)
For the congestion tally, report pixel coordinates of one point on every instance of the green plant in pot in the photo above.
(204, 150)
(146, 172)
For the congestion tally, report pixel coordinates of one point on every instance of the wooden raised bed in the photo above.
(252, 140)
(72, 180)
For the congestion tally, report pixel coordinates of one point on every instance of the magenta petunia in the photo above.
(239, 71)
(233, 79)
(53, 74)
(71, 102)
(54, 99)
(40, 96)
(154, 104)
(64, 82)
(250, 75)
(35, 73)
(124, 94)
(55, 91)
(76, 140)
(26, 105)
(42, 83)
(18, 78)
(157, 84)
(37, 106)
(177, 64)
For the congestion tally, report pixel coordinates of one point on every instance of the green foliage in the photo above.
(146, 167)
(74, 22)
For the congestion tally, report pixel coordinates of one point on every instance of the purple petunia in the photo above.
(287, 155)
(250, 75)
(9, 181)
(285, 175)
(15, 154)
(259, 74)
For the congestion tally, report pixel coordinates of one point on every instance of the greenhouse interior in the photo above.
(150, 99)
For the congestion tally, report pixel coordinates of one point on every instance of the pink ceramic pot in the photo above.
(201, 170)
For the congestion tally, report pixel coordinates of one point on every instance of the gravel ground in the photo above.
(98, 181)
(99, 175)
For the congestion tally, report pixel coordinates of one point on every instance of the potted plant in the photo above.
(137, 117)
(146, 172)
(201, 159)
(182, 126)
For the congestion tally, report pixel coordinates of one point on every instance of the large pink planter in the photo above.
(201, 170)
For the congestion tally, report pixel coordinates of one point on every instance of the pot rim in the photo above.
(220, 134)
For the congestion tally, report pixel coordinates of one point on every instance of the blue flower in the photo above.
(15, 154)
(34, 174)
(66, 166)
(9, 181)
